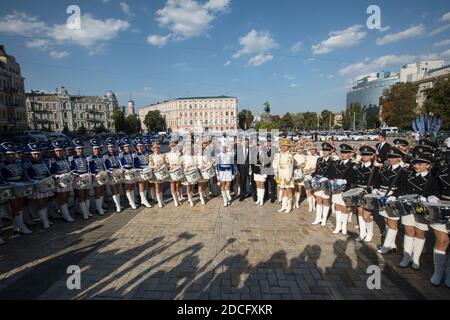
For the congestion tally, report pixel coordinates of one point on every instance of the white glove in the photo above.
(376, 192)
(391, 198)
(433, 199)
(422, 199)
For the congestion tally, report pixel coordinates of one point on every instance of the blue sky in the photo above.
(301, 56)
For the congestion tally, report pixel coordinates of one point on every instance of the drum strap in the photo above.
(369, 182)
(393, 182)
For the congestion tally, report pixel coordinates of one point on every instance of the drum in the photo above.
(311, 184)
(193, 175)
(130, 175)
(409, 204)
(22, 189)
(352, 197)
(324, 185)
(208, 172)
(392, 210)
(83, 181)
(339, 185)
(64, 180)
(298, 175)
(116, 176)
(5, 193)
(176, 174)
(438, 212)
(146, 174)
(101, 178)
(162, 173)
(372, 202)
(45, 185)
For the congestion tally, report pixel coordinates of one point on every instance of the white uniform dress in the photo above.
(173, 160)
(155, 162)
(299, 164)
(225, 166)
(284, 167)
(310, 165)
(202, 162)
(188, 162)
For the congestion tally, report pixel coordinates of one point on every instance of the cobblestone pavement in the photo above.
(205, 252)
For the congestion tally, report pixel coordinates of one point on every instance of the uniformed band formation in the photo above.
(400, 183)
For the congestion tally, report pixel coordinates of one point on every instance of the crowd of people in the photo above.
(404, 184)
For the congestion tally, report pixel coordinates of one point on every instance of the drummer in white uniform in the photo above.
(299, 166)
(203, 163)
(59, 166)
(284, 167)
(156, 161)
(173, 162)
(310, 167)
(188, 162)
(225, 171)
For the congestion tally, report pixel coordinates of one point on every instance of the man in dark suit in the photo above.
(246, 155)
(382, 148)
(271, 186)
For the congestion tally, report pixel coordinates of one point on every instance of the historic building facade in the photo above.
(12, 94)
(217, 113)
(59, 110)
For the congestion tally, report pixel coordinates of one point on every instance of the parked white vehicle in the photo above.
(372, 136)
(340, 137)
(357, 137)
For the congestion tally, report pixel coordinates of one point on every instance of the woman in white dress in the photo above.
(225, 172)
(188, 162)
(299, 165)
(203, 162)
(156, 161)
(284, 167)
(310, 167)
(173, 162)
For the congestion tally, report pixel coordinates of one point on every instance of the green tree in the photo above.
(266, 107)
(118, 117)
(264, 125)
(298, 121)
(132, 124)
(100, 129)
(154, 121)
(82, 131)
(327, 119)
(310, 120)
(245, 119)
(65, 129)
(286, 122)
(352, 116)
(438, 101)
(399, 105)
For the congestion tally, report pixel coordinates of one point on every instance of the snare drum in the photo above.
(311, 184)
(324, 185)
(162, 173)
(176, 174)
(438, 212)
(64, 180)
(208, 172)
(353, 197)
(5, 193)
(338, 185)
(298, 175)
(146, 174)
(116, 176)
(102, 178)
(45, 185)
(130, 176)
(371, 202)
(22, 189)
(193, 175)
(83, 181)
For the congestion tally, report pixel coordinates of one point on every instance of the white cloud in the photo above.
(126, 9)
(92, 35)
(446, 53)
(188, 18)
(226, 64)
(384, 29)
(158, 41)
(340, 39)
(445, 17)
(58, 54)
(294, 85)
(330, 76)
(376, 65)
(256, 42)
(260, 59)
(289, 77)
(405, 34)
(439, 30)
(442, 43)
(297, 47)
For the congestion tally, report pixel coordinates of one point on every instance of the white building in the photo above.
(55, 111)
(12, 94)
(413, 72)
(218, 113)
(427, 82)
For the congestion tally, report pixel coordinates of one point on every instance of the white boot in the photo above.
(310, 204)
(344, 219)
(116, 199)
(225, 198)
(228, 193)
(362, 229)
(98, 205)
(338, 222)
(279, 196)
(159, 197)
(202, 198)
(408, 243)
(191, 202)
(389, 242)
(258, 197)
(179, 197)
(82, 206)
(65, 213)
(333, 208)
(175, 199)
(288, 205)
(283, 204)
(447, 273)
(152, 194)
(261, 196)
(43, 215)
(297, 200)
(20, 225)
(325, 210)
(130, 197)
(369, 236)
(318, 215)
(417, 251)
(88, 207)
(144, 200)
(440, 259)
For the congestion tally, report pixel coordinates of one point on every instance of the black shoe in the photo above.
(241, 199)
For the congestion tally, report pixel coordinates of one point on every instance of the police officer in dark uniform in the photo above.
(343, 170)
(390, 178)
(323, 169)
(403, 146)
(417, 182)
(367, 178)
